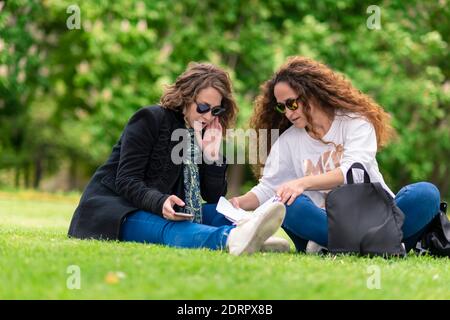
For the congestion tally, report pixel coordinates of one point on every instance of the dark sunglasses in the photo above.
(215, 111)
(291, 104)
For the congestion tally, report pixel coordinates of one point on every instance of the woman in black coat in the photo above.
(151, 187)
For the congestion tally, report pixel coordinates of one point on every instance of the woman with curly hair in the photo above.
(325, 126)
(145, 193)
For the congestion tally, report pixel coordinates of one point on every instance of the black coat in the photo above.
(140, 175)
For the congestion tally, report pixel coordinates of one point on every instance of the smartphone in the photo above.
(182, 214)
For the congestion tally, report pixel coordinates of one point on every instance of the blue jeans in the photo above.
(146, 227)
(419, 202)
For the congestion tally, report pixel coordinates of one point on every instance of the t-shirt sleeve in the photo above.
(360, 145)
(277, 170)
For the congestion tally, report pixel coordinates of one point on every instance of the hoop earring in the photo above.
(186, 122)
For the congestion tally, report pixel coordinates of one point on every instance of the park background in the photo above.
(66, 94)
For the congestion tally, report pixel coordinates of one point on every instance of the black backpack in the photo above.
(363, 218)
(436, 238)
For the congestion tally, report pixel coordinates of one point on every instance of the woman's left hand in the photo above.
(212, 140)
(290, 190)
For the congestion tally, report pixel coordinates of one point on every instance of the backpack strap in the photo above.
(445, 223)
(443, 207)
(357, 165)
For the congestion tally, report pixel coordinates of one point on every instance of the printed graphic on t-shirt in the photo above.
(327, 161)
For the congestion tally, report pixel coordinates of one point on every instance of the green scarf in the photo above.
(193, 199)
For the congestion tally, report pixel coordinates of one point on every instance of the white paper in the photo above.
(230, 212)
(233, 214)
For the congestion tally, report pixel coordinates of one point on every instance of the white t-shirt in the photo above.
(296, 154)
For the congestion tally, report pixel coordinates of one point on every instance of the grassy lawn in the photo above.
(35, 255)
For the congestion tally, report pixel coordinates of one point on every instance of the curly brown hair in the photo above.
(199, 76)
(331, 90)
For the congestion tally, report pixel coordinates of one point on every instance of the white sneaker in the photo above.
(249, 235)
(314, 248)
(276, 244)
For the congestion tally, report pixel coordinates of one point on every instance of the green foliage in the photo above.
(68, 93)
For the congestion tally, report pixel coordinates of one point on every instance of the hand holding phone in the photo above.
(169, 213)
(182, 214)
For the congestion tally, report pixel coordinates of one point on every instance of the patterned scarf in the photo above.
(193, 199)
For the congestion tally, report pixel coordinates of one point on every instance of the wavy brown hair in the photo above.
(199, 76)
(329, 90)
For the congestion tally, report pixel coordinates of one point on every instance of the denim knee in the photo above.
(293, 212)
(432, 192)
(429, 193)
(424, 193)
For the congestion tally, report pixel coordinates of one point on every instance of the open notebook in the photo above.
(231, 213)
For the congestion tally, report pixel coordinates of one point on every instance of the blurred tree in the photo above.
(67, 94)
(23, 81)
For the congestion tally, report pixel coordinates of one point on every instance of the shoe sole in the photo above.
(271, 221)
(276, 247)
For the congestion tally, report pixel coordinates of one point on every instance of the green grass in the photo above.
(35, 254)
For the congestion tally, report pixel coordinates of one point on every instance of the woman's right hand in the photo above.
(235, 202)
(169, 213)
(248, 201)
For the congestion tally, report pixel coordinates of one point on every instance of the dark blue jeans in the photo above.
(419, 202)
(146, 227)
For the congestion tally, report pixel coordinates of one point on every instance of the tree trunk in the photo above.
(27, 175)
(73, 181)
(439, 177)
(445, 185)
(17, 177)
(38, 169)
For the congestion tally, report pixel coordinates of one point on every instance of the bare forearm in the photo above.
(248, 201)
(290, 190)
(325, 181)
